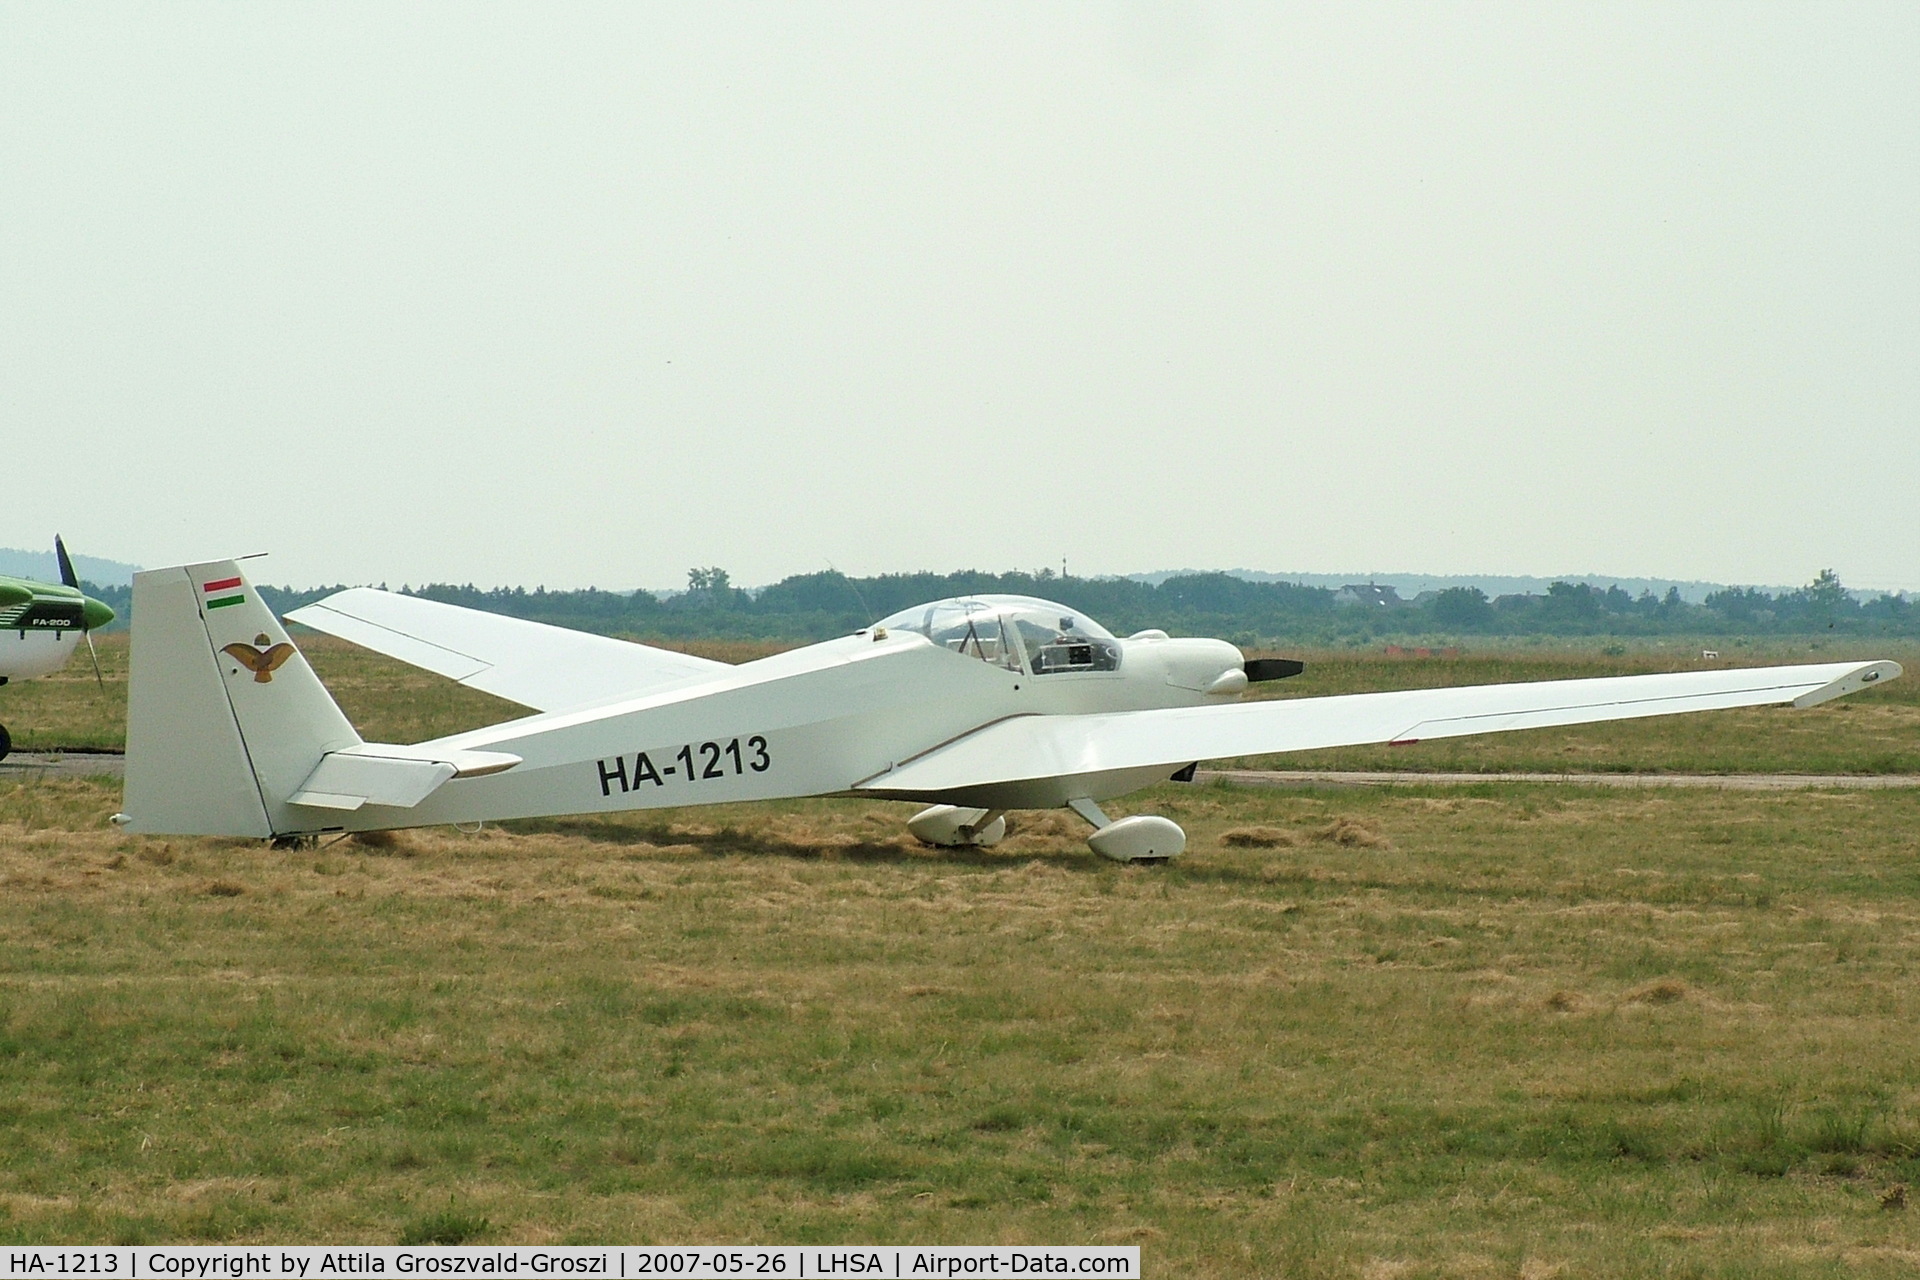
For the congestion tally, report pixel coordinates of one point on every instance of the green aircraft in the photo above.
(38, 623)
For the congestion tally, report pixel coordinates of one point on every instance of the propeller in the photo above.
(1259, 669)
(67, 575)
(72, 579)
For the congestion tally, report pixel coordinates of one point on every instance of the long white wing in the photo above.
(1031, 759)
(530, 663)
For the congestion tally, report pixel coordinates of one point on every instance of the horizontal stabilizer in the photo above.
(399, 777)
(536, 665)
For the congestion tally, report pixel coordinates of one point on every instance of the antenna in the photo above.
(865, 612)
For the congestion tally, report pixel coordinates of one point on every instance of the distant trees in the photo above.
(709, 589)
(1570, 608)
(1825, 592)
(1742, 605)
(1461, 609)
(814, 606)
(1571, 603)
(1822, 602)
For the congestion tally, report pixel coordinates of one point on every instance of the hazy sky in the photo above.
(591, 294)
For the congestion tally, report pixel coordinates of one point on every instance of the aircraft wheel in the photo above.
(948, 826)
(6, 742)
(1144, 837)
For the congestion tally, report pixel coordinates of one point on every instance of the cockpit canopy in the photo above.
(1018, 633)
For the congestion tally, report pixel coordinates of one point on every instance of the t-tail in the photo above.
(230, 732)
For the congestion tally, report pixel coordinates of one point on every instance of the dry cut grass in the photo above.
(1511, 1031)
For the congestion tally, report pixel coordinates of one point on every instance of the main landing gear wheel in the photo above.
(6, 742)
(1144, 838)
(949, 826)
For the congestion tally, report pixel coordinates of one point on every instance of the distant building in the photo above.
(1371, 594)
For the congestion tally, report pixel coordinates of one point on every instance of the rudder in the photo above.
(225, 718)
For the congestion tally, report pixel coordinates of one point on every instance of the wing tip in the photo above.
(1861, 677)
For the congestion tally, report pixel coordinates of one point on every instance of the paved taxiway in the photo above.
(1714, 781)
(63, 764)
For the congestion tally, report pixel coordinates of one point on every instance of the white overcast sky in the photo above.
(575, 294)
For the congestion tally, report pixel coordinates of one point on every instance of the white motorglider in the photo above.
(976, 706)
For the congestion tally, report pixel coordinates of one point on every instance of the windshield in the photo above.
(974, 628)
(1009, 631)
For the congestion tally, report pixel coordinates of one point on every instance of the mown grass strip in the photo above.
(1498, 1028)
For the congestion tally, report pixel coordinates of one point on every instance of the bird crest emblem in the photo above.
(260, 658)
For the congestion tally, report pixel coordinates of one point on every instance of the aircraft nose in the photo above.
(1232, 680)
(1205, 666)
(1216, 668)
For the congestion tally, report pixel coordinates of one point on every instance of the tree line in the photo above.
(815, 606)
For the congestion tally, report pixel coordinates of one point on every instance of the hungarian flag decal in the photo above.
(223, 593)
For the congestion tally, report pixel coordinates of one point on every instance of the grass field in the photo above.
(1503, 1030)
(1494, 1031)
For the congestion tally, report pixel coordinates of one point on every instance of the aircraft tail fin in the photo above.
(225, 719)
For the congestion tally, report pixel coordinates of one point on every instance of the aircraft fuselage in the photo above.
(757, 732)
